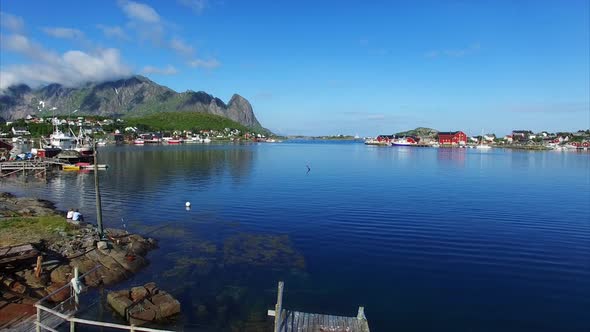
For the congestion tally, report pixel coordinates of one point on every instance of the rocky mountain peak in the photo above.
(133, 96)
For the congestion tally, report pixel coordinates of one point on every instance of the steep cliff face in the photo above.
(134, 96)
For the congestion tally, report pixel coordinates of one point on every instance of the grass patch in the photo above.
(18, 230)
(184, 121)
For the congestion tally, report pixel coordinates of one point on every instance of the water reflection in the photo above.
(153, 168)
(451, 156)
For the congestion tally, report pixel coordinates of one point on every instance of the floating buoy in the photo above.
(187, 204)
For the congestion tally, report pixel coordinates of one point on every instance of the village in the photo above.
(519, 139)
(72, 139)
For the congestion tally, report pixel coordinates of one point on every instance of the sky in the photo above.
(325, 67)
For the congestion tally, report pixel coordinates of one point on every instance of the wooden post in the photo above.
(279, 307)
(76, 276)
(39, 267)
(37, 326)
(72, 326)
(97, 196)
(361, 314)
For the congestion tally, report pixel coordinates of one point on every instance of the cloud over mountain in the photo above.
(70, 68)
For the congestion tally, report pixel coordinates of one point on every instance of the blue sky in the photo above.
(325, 67)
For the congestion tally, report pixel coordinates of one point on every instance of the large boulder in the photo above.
(61, 295)
(119, 301)
(138, 293)
(144, 304)
(62, 274)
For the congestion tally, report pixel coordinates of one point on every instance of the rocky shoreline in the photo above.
(63, 247)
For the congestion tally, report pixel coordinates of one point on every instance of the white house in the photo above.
(20, 131)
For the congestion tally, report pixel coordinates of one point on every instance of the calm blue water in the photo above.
(424, 239)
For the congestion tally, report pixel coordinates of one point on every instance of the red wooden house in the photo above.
(452, 137)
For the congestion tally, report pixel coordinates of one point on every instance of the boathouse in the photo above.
(452, 138)
(385, 138)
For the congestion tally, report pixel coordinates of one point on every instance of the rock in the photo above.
(151, 288)
(62, 274)
(141, 316)
(89, 243)
(139, 307)
(17, 287)
(119, 301)
(138, 293)
(167, 305)
(131, 263)
(61, 295)
(32, 281)
(102, 245)
(38, 293)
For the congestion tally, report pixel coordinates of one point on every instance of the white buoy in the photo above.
(187, 204)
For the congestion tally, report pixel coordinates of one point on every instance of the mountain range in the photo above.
(129, 97)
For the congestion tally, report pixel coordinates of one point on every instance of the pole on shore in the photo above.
(97, 191)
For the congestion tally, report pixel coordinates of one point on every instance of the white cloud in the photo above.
(206, 64)
(181, 47)
(65, 33)
(168, 70)
(196, 5)
(70, 69)
(21, 44)
(11, 22)
(113, 32)
(139, 11)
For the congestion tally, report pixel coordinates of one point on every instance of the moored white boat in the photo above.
(139, 141)
(481, 145)
(59, 139)
(404, 141)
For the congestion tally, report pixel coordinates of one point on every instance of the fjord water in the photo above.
(424, 239)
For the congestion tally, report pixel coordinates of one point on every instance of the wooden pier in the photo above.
(295, 321)
(38, 167)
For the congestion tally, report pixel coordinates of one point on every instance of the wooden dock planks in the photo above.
(15, 253)
(295, 321)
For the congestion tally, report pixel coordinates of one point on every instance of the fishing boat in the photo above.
(175, 140)
(139, 141)
(151, 138)
(89, 166)
(61, 140)
(83, 144)
(404, 141)
(193, 139)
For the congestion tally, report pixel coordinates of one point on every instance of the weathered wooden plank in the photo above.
(291, 321)
(297, 321)
(306, 324)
